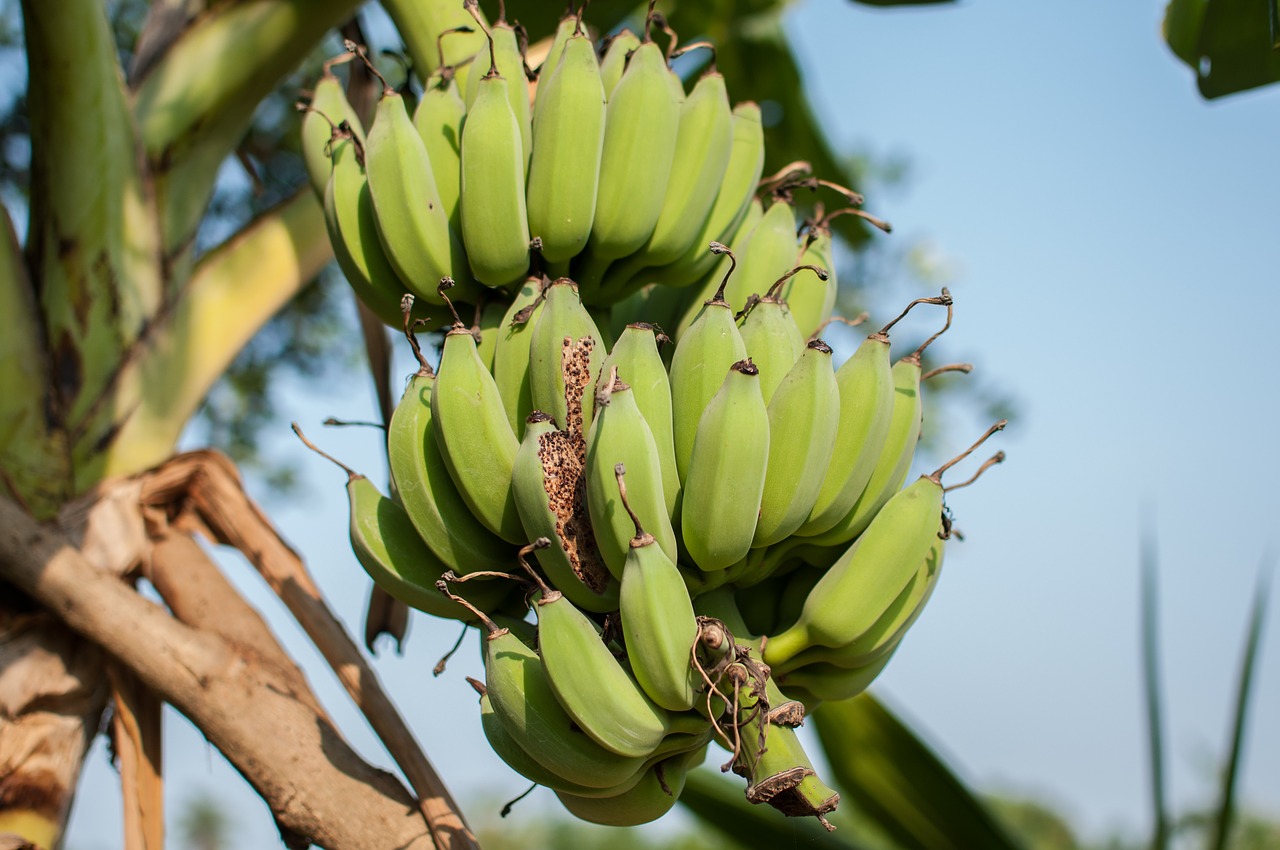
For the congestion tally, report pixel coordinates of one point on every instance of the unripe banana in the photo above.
(508, 59)
(531, 714)
(568, 134)
(795, 591)
(767, 255)
(642, 120)
(803, 418)
(894, 461)
(569, 25)
(866, 386)
(861, 586)
(565, 352)
(615, 59)
(427, 492)
(495, 226)
(412, 221)
(695, 296)
(594, 688)
(488, 325)
(733, 200)
(353, 234)
(809, 297)
(547, 479)
(439, 118)
(829, 683)
(511, 353)
(388, 547)
(636, 357)
(703, 146)
(620, 435)
(726, 475)
(770, 335)
(702, 357)
(883, 636)
(475, 439)
(658, 623)
(329, 108)
(651, 798)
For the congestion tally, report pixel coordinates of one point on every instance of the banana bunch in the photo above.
(613, 173)
(711, 538)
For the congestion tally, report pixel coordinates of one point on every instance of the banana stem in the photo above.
(999, 426)
(944, 299)
(772, 292)
(352, 475)
(998, 457)
(718, 248)
(966, 368)
(493, 629)
(853, 323)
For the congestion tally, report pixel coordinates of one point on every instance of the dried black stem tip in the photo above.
(492, 628)
(648, 20)
(998, 457)
(447, 283)
(360, 51)
(822, 274)
(440, 47)
(506, 810)
(999, 426)
(787, 172)
(966, 368)
(352, 475)
(408, 323)
(444, 659)
(661, 20)
(642, 537)
(549, 594)
(718, 248)
(944, 299)
(604, 389)
(334, 422)
(478, 686)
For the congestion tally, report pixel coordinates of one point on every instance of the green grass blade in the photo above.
(1226, 806)
(898, 782)
(1151, 681)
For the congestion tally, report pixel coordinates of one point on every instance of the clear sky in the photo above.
(1110, 235)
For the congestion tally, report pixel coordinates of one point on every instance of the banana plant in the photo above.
(1230, 45)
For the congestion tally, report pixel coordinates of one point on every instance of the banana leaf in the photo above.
(899, 783)
(1230, 45)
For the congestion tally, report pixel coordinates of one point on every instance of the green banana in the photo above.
(511, 353)
(438, 119)
(412, 222)
(658, 623)
(570, 25)
(565, 351)
(884, 635)
(855, 593)
(768, 254)
(811, 298)
(487, 328)
(475, 439)
(803, 419)
(568, 140)
(651, 798)
(328, 109)
(641, 122)
(695, 296)
(495, 226)
(770, 335)
(704, 142)
(619, 435)
(426, 489)
(702, 356)
(866, 388)
(353, 232)
(614, 61)
(796, 588)
(636, 357)
(595, 689)
(388, 547)
(726, 474)
(733, 200)
(531, 714)
(829, 683)
(547, 480)
(507, 63)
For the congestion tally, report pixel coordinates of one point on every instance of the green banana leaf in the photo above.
(1151, 689)
(1231, 45)
(899, 783)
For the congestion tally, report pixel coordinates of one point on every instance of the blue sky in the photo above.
(1109, 240)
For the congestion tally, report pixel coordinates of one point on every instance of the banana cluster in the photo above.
(722, 539)
(713, 533)
(613, 174)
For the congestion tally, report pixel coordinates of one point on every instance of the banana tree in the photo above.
(117, 327)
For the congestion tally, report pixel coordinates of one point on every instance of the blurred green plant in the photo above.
(1230, 45)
